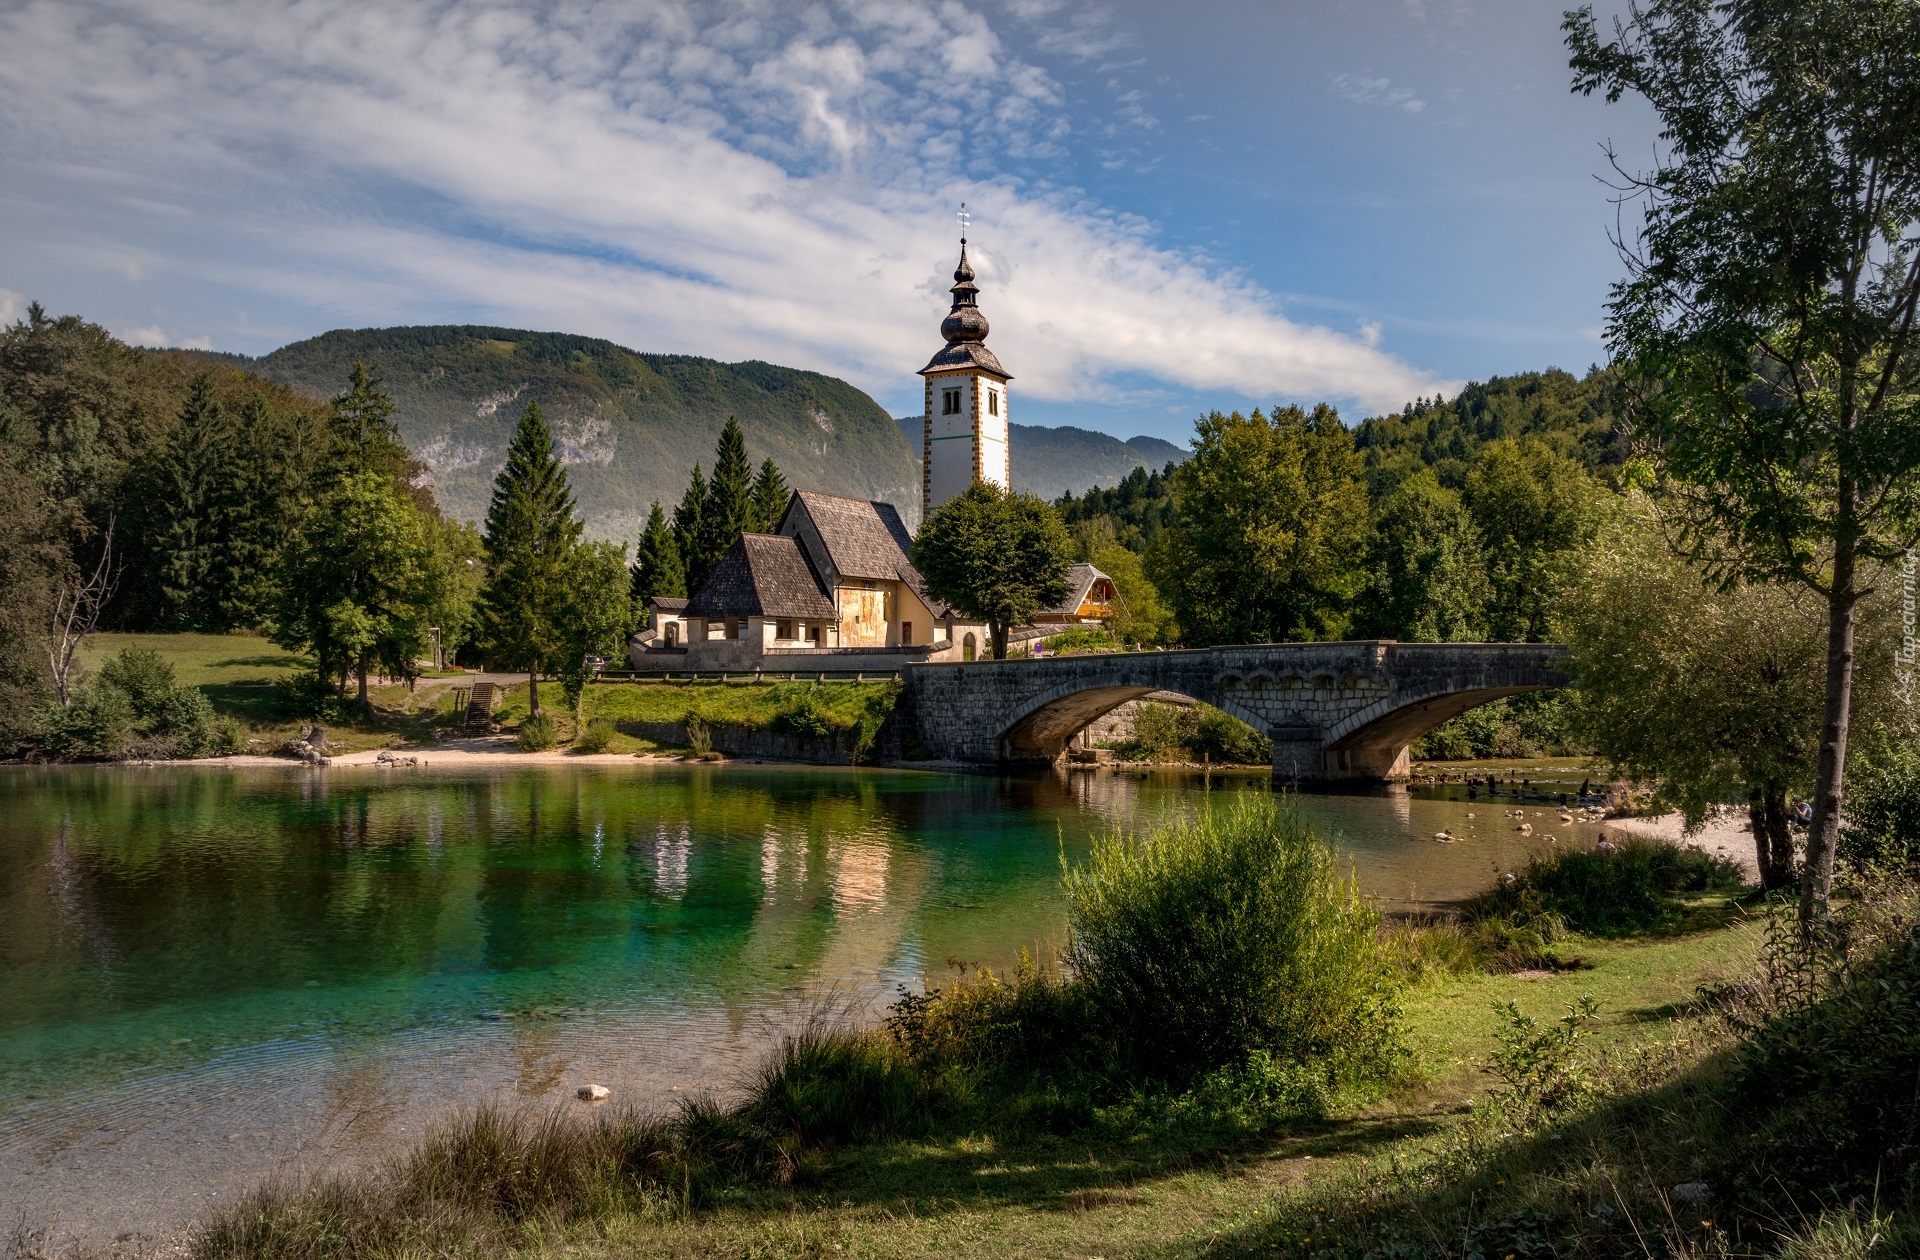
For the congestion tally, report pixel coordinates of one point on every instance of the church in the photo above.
(834, 587)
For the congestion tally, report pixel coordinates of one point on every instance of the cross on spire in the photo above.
(965, 220)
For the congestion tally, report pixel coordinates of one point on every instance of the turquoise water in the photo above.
(207, 975)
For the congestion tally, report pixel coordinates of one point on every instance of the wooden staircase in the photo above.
(480, 709)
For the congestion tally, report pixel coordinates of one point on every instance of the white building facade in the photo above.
(966, 407)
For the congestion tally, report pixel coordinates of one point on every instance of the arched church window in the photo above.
(967, 647)
(673, 634)
(949, 402)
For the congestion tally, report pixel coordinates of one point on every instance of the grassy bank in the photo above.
(1673, 1088)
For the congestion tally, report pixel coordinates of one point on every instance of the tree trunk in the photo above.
(998, 633)
(360, 674)
(533, 691)
(1772, 839)
(1823, 835)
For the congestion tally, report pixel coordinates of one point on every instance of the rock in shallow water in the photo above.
(594, 1093)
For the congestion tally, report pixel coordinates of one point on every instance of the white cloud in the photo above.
(160, 339)
(13, 307)
(754, 180)
(1366, 91)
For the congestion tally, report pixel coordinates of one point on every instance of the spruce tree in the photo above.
(188, 503)
(686, 529)
(657, 569)
(729, 508)
(362, 433)
(770, 495)
(530, 539)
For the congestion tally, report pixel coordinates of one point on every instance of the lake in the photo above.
(212, 975)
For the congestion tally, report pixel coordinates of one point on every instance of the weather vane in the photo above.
(965, 219)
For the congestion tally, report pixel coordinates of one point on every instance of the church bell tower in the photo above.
(966, 425)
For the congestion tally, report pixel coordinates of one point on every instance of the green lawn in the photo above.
(202, 660)
(237, 673)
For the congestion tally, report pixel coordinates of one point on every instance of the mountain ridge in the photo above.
(1055, 460)
(630, 424)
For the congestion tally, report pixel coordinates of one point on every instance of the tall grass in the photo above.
(1231, 932)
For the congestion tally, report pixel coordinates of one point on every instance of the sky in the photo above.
(1175, 207)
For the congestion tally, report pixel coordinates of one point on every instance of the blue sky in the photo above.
(1176, 206)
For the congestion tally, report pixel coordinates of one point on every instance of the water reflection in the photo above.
(334, 958)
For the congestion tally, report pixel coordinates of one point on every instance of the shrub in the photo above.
(1881, 826)
(306, 695)
(1226, 934)
(1835, 1068)
(1257, 1096)
(536, 733)
(1083, 639)
(803, 713)
(1223, 737)
(133, 707)
(98, 725)
(1631, 889)
(1163, 732)
(595, 739)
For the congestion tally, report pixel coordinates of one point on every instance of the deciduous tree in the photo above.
(1426, 570)
(355, 588)
(1271, 521)
(996, 556)
(1769, 308)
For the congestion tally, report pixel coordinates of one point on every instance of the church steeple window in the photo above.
(949, 402)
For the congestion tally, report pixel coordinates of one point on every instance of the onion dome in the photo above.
(965, 327)
(965, 322)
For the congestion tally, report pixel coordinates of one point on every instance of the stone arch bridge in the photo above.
(1334, 710)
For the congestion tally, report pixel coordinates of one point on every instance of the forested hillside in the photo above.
(630, 425)
(1573, 416)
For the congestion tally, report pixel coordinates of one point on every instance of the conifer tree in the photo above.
(770, 495)
(657, 569)
(530, 539)
(686, 529)
(362, 433)
(729, 508)
(187, 501)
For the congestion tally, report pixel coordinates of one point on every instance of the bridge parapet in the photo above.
(1341, 710)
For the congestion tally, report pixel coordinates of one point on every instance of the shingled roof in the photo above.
(1080, 580)
(864, 539)
(763, 575)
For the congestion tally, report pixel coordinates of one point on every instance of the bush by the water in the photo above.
(133, 707)
(1634, 888)
(1195, 732)
(1229, 933)
(536, 734)
(596, 737)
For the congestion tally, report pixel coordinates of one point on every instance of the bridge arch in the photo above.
(1345, 710)
(1041, 728)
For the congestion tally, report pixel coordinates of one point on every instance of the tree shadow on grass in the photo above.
(1600, 1183)
(1076, 1173)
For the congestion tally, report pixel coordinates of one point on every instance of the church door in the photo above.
(967, 646)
